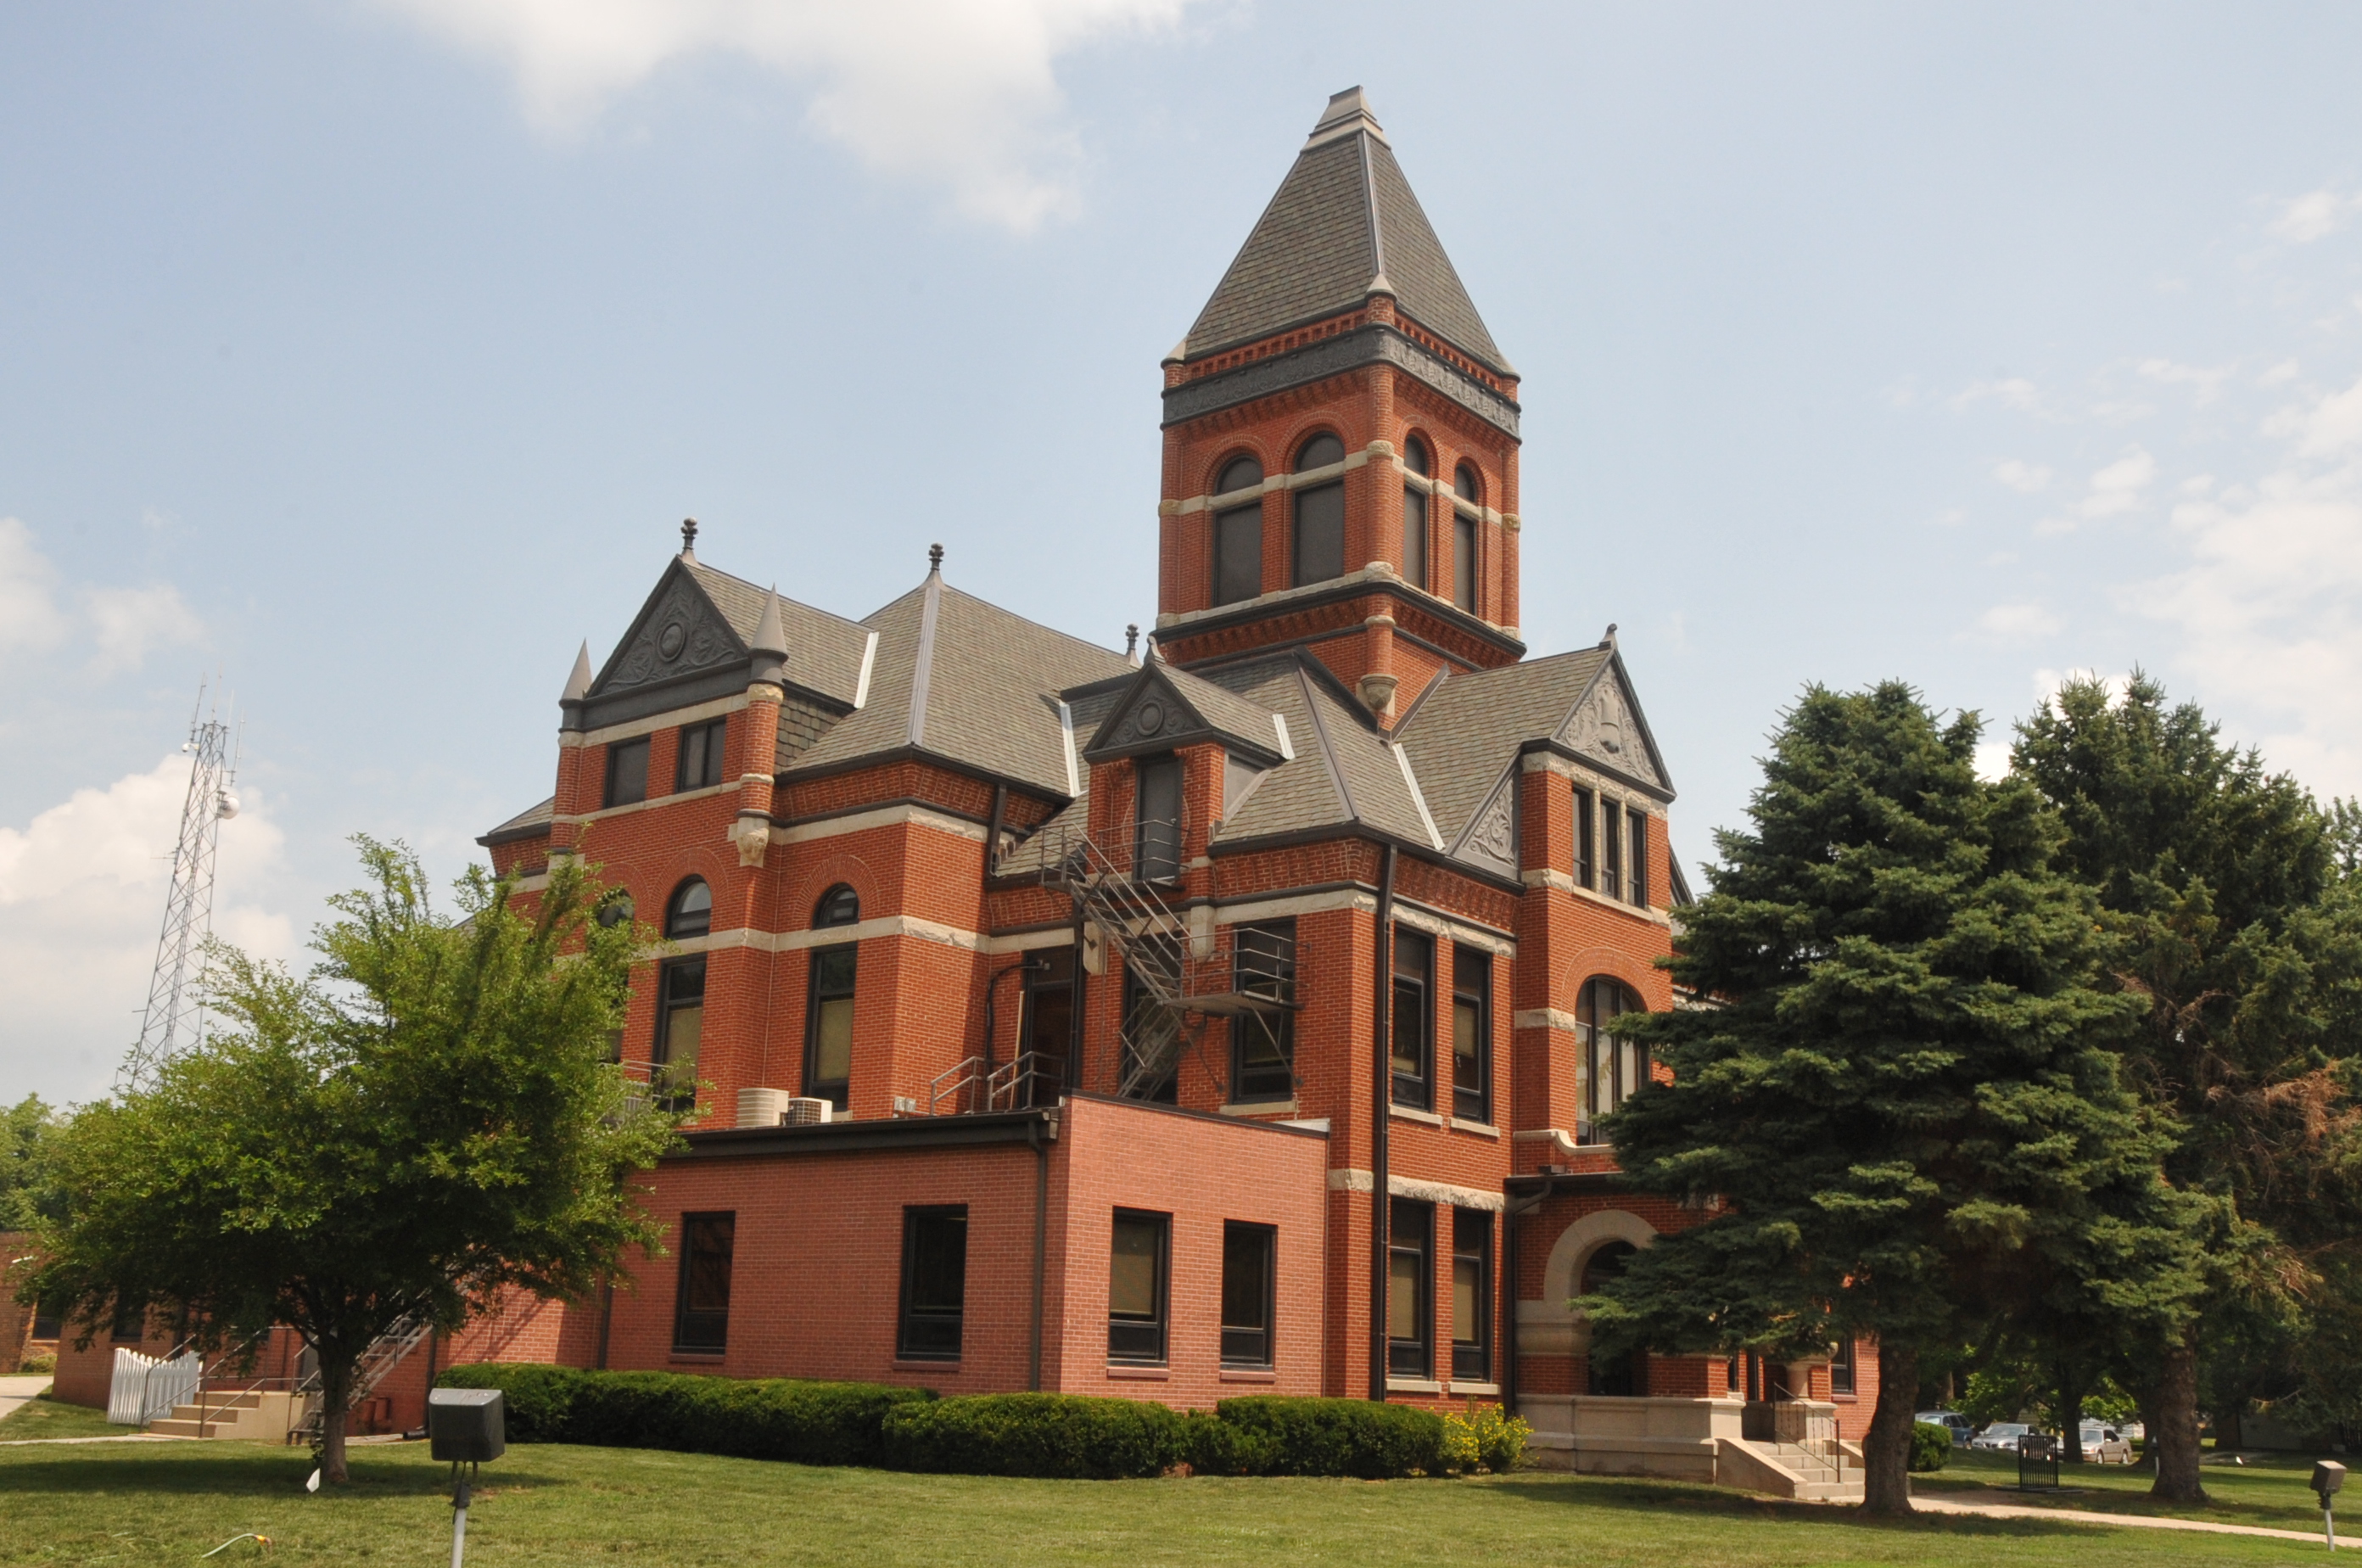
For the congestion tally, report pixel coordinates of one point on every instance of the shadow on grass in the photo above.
(272, 1474)
(1700, 1501)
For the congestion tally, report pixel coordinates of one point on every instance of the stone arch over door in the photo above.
(1549, 1327)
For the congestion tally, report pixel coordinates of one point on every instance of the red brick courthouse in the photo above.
(1232, 1016)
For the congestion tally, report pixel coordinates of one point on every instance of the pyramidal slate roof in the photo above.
(1345, 224)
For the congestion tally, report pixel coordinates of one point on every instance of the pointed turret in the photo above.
(578, 687)
(770, 643)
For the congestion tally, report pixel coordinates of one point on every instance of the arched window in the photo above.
(1465, 514)
(1416, 461)
(1619, 1374)
(1319, 553)
(1238, 534)
(839, 906)
(1613, 1068)
(690, 914)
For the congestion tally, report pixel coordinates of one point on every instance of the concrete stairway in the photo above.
(1821, 1477)
(252, 1416)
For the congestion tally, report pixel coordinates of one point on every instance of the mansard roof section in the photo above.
(1165, 707)
(690, 644)
(1343, 224)
(534, 822)
(967, 682)
(1343, 772)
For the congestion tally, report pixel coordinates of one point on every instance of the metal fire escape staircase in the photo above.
(377, 1359)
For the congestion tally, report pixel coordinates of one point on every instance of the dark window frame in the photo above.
(1057, 980)
(1587, 844)
(917, 1324)
(1472, 1102)
(1137, 1340)
(1413, 1010)
(664, 1072)
(688, 1333)
(1843, 1367)
(1636, 882)
(1611, 849)
(839, 906)
(838, 1092)
(704, 743)
(1600, 1046)
(1157, 844)
(1464, 565)
(1237, 574)
(1472, 1242)
(1417, 512)
(1264, 969)
(1328, 501)
(683, 924)
(1250, 1346)
(1411, 1356)
(130, 1325)
(623, 758)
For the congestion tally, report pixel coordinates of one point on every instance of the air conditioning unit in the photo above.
(803, 1111)
(762, 1107)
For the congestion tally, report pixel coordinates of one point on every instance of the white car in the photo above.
(2105, 1445)
(2000, 1437)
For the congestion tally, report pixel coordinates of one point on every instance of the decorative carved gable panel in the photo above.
(680, 634)
(1155, 715)
(1490, 839)
(1607, 728)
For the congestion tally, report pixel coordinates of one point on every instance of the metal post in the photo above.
(2328, 1524)
(459, 1517)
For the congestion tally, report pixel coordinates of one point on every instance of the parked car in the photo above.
(1960, 1426)
(2105, 1445)
(2000, 1437)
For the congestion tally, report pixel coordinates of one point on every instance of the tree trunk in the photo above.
(1886, 1451)
(2228, 1438)
(2173, 1436)
(2070, 1412)
(336, 1394)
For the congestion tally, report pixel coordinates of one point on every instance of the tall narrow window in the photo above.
(1585, 804)
(681, 1030)
(828, 1024)
(627, 772)
(1250, 1258)
(1415, 461)
(1471, 1034)
(1465, 487)
(699, 764)
(700, 1313)
(131, 1324)
(1611, 845)
(1412, 1026)
(1263, 1043)
(1238, 534)
(1841, 1367)
(1157, 842)
(1639, 878)
(1048, 1031)
(1471, 1295)
(1410, 1288)
(1613, 1068)
(690, 912)
(934, 1282)
(1320, 515)
(1622, 1373)
(1137, 1288)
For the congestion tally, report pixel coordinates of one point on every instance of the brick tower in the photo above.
(1341, 441)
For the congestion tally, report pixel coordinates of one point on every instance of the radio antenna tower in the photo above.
(171, 1014)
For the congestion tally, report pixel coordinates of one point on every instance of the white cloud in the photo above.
(120, 626)
(127, 622)
(2025, 478)
(29, 616)
(2205, 385)
(2313, 215)
(960, 90)
(2329, 427)
(81, 898)
(2013, 392)
(2115, 490)
(2018, 621)
(1992, 760)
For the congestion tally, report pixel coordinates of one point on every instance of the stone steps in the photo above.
(252, 1416)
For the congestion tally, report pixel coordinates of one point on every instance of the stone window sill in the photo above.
(1491, 1388)
(1412, 1113)
(1144, 1374)
(1259, 1108)
(1413, 1386)
(1248, 1375)
(951, 1366)
(1477, 1128)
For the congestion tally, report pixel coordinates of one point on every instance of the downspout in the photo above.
(1041, 1230)
(1381, 1101)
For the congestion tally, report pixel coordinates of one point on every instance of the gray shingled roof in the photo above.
(1465, 732)
(1028, 858)
(1344, 771)
(824, 651)
(987, 688)
(531, 823)
(1343, 216)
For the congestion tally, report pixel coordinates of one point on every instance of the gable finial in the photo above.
(1608, 642)
(688, 538)
(934, 557)
(1131, 642)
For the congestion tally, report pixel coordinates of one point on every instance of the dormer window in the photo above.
(1416, 461)
(1320, 515)
(1467, 509)
(1238, 534)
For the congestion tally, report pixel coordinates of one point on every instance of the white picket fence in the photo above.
(146, 1388)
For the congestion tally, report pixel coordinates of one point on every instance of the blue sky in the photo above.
(371, 350)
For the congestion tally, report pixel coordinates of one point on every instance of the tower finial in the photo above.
(689, 537)
(934, 557)
(1131, 641)
(1608, 642)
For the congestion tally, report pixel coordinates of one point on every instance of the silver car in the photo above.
(2000, 1437)
(2104, 1444)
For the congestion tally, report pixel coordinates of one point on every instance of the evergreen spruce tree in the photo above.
(1895, 1101)
(2233, 922)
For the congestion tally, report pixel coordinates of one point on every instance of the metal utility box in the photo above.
(2328, 1478)
(467, 1424)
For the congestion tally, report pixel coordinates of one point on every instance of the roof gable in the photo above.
(1164, 707)
(1605, 728)
(679, 633)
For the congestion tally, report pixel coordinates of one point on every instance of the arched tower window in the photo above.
(839, 906)
(1238, 533)
(1613, 1068)
(1416, 461)
(690, 912)
(1319, 514)
(1467, 510)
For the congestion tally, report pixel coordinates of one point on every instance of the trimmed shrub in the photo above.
(1277, 1435)
(808, 1424)
(1931, 1445)
(1063, 1436)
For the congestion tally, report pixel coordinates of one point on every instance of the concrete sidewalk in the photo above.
(17, 1388)
(1953, 1504)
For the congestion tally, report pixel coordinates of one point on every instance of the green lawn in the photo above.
(136, 1503)
(45, 1418)
(2271, 1492)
